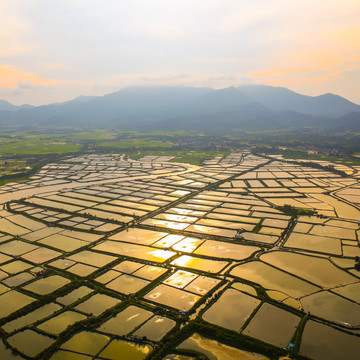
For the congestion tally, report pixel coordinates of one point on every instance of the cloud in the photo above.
(11, 77)
(25, 85)
(179, 79)
(10, 93)
(95, 47)
(13, 28)
(316, 70)
(326, 71)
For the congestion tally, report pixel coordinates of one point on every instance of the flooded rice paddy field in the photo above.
(107, 258)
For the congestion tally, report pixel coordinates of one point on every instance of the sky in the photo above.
(53, 51)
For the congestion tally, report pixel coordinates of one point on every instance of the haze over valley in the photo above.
(248, 107)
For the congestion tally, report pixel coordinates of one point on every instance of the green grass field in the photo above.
(37, 147)
(186, 146)
(133, 143)
(293, 154)
(194, 157)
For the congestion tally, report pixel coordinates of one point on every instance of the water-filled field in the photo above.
(246, 257)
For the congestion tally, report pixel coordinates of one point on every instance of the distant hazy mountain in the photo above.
(280, 98)
(348, 122)
(252, 107)
(6, 106)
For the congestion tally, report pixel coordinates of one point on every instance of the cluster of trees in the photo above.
(293, 211)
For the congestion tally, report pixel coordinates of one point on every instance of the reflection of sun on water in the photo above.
(176, 226)
(169, 240)
(132, 317)
(161, 254)
(185, 261)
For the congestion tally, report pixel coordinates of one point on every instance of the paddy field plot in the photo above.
(103, 256)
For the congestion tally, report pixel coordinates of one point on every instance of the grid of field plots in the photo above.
(103, 257)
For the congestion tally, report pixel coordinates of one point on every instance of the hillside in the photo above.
(250, 107)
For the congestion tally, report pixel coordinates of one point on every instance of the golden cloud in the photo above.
(11, 77)
(314, 67)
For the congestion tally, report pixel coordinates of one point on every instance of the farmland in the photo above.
(132, 253)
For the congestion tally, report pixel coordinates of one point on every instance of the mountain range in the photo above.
(247, 107)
